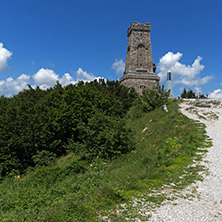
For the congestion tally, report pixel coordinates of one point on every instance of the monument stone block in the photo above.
(139, 67)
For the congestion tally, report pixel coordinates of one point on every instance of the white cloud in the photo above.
(216, 94)
(13, 86)
(45, 76)
(67, 79)
(181, 73)
(85, 76)
(4, 57)
(119, 66)
(198, 89)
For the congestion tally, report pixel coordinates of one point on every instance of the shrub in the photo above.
(154, 98)
(44, 158)
(37, 120)
(103, 136)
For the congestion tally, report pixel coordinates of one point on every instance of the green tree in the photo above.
(103, 136)
(36, 121)
(154, 98)
(184, 93)
(188, 94)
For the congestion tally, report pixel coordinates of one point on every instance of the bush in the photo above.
(103, 136)
(44, 158)
(37, 120)
(154, 98)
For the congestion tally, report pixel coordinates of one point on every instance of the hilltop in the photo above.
(129, 149)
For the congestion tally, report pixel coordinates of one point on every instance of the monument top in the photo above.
(139, 56)
(136, 26)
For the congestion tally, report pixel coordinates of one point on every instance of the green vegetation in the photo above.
(197, 104)
(211, 115)
(85, 118)
(152, 99)
(149, 100)
(104, 155)
(191, 94)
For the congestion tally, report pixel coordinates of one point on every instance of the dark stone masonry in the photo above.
(139, 68)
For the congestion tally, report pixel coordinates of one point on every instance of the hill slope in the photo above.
(74, 189)
(205, 204)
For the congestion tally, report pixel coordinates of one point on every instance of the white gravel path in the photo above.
(206, 205)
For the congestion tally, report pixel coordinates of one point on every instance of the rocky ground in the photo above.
(204, 199)
(201, 201)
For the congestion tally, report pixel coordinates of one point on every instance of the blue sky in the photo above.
(69, 40)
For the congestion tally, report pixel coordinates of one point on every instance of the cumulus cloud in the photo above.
(181, 73)
(85, 76)
(67, 79)
(119, 66)
(44, 78)
(4, 57)
(216, 94)
(13, 86)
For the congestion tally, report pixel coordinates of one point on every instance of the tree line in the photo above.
(191, 94)
(86, 118)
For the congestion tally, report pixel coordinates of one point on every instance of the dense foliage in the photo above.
(87, 118)
(149, 101)
(152, 99)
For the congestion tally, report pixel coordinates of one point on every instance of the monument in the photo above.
(139, 68)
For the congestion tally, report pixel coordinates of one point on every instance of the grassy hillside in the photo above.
(73, 189)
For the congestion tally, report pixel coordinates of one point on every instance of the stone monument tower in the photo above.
(139, 68)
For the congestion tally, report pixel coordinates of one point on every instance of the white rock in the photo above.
(144, 130)
(164, 108)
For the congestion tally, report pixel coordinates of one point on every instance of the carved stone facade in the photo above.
(139, 70)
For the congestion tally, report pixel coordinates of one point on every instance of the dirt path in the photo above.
(206, 203)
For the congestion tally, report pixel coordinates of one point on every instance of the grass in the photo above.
(202, 105)
(211, 115)
(75, 190)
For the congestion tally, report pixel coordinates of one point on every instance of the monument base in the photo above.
(140, 81)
